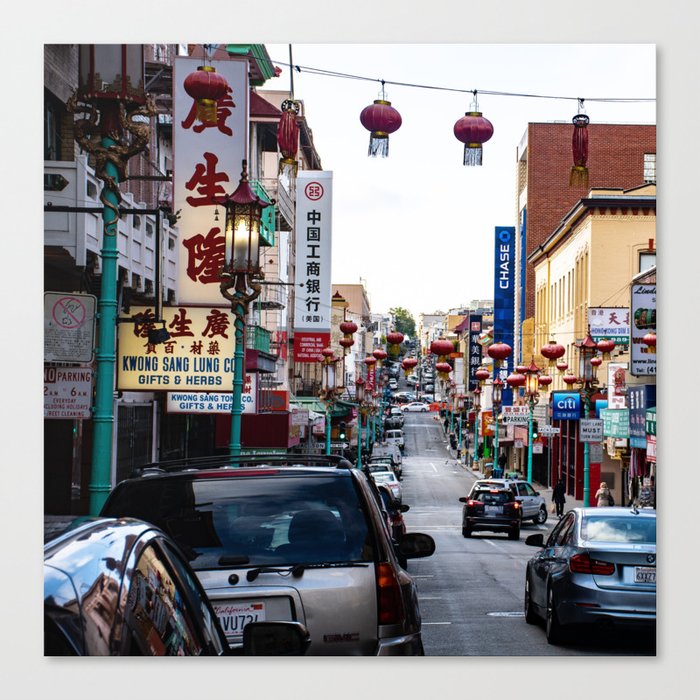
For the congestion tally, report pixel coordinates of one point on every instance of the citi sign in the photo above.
(566, 405)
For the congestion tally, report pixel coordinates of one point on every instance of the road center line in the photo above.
(433, 466)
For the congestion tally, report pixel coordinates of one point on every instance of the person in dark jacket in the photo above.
(559, 497)
(502, 461)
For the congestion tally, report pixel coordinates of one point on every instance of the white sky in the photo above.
(418, 226)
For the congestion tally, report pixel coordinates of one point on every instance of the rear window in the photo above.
(637, 530)
(491, 497)
(253, 521)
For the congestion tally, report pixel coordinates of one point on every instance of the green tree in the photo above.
(403, 321)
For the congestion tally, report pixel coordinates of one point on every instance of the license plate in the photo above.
(644, 574)
(493, 509)
(234, 617)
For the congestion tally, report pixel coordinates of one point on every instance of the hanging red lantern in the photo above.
(348, 327)
(515, 380)
(579, 145)
(473, 130)
(408, 364)
(482, 374)
(544, 380)
(569, 379)
(552, 351)
(370, 361)
(381, 119)
(562, 366)
(206, 86)
(327, 354)
(346, 341)
(443, 369)
(395, 338)
(442, 348)
(650, 341)
(499, 352)
(596, 361)
(288, 137)
(606, 346)
(380, 355)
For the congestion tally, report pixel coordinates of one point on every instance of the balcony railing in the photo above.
(258, 338)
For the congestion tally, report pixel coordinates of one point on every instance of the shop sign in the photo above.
(518, 443)
(67, 392)
(190, 402)
(640, 399)
(475, 349)
(486, 423)
(566, 405)
(650, 421)
(595, 452)
(610, 322)
(615, 422)
(207, 167)
(537, 448)
(643, 358)
(590, 430)
(515, 415)
(197, 357)
(617, 384)
(651, 448)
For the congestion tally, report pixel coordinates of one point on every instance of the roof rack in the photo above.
(223, 461)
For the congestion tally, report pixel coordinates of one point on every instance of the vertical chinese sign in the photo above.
(208, 164)
(313, 225)
(504, 300)
(475, 321)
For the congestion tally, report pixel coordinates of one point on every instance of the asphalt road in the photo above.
(471, 590)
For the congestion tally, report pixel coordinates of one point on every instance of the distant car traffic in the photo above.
(533, 505)
(391, 480)
(394, 511)
(415, 406)
(493, 509)
(598, 565)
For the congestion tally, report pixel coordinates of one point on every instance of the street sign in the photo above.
(548, 430)
(590, 430)
(340, 445)
(67, 392)
(69, 327)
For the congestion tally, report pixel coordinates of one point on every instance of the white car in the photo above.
(414, 406)
(396, 437)
(391, 480)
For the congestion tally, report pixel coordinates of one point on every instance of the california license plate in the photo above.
(644, 574)
(233, 617)
(493, 509)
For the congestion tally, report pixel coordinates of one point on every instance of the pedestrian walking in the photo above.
(502, 461)
(604, 496)
(559, 497)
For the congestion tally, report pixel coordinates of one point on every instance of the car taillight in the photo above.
(583, 564)
(471, 503)
(389, 597)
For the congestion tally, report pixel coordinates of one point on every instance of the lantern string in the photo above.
(497, 93)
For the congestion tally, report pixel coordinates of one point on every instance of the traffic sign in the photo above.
(549, 430)
(69, 327)
(590, 430)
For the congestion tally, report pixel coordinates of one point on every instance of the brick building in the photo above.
(619, 156)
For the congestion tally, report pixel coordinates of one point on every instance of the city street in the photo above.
(471, 590)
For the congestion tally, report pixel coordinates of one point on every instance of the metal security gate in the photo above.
(134, 437)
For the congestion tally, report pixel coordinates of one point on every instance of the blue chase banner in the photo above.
(566, 405)
(504, 300)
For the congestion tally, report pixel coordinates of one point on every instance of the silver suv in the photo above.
(287, 538)
(533, 505)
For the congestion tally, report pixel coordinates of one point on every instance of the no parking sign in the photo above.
(69, 327)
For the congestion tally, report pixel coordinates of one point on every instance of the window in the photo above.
(647, 260)
(650, 167)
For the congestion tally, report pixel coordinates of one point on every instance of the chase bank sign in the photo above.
(566, 405)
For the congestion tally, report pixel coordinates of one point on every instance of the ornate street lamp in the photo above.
(360, 398)
(241, 280)
(499, 353)
(476, 403)
(532, 385)
(113, 126)
(328, 389)
(588, 363)
(496, 399)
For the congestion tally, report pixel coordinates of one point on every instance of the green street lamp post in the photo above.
(360, 398)
(241, 280)
(476, 403)
(328, 389)
(587, 370)
(532, 374)
(496, 399)
(114, 126)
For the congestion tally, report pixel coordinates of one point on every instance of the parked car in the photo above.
(124, 588)
(534, 507)
(393, 384)
(415, 406)
(493, 509)
(394, 422)
(383, 460)
(390, 479)
(396, 437)
(290, 538)
(598, 565)
(394, 511)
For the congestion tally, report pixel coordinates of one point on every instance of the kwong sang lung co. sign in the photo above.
(197, 357)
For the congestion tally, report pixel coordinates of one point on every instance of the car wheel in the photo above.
(530, 615)
(466, 532)
(541, 516)
(424, 410)
(553, 629)
(514, 534)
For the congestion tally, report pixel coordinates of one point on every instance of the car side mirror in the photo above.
(537, 493)
(404, 507)
(415, 545)
(275, 639)
(463, 499)
(535, 540)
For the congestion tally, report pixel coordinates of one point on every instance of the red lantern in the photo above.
(408, 364)
(395, 338)
(569, 379)
(370, 361)
(596, 361)
(521, 369)
(606, 346)
(515, 380)
(348, 327)
(441, 347)
(346, 341)
(499, 352)
(381, 119)
(650, 340)
(562, 366)
(482, 374)
(443, 369)
(579, 145)
(473, 130)
(380, 355)
(552, 351)
(544, 380)
(326, 354)
(206, 86)
(288, 137)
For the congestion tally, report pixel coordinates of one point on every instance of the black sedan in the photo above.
(492, 509)
(123, 588)
(597, 567)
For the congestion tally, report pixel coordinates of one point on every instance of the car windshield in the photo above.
(228, 522)
(611, 528)
(383, 477)
(492, 497)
